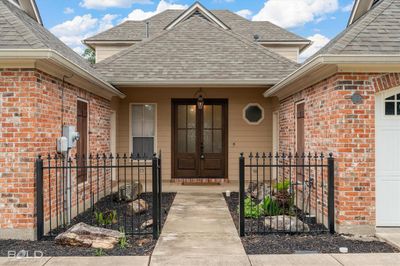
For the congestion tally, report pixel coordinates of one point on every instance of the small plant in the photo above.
(99, 218)
(267, 207)
(270, 207)
(113, 217)
(106, 218)
(123, 242)
(251, 209)
(283, 186)
(99, 252)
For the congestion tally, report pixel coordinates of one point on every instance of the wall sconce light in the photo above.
(200, 99)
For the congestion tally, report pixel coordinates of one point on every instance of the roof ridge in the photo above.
(229, 32)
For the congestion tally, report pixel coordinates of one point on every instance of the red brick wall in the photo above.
(334, 124)
(30, 121)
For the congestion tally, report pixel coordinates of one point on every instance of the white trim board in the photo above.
(191, 10)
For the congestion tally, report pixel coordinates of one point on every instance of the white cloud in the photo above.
(69, 10)
(103, 4)
(139, 14)
(290, 13)
(73, 31)
(246, 13)
(348, 8)
(318, 41)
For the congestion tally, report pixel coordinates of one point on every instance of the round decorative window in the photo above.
(253, 113)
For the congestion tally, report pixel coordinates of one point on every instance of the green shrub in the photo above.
(106, 218)
(267, 207)
(283, 186)
(270, 207)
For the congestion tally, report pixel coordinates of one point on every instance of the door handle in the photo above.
(202, 156)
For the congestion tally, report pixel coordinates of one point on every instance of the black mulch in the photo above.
(302, 243)
(142, 245)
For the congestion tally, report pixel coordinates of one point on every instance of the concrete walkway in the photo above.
(199, 231)
(255, 260)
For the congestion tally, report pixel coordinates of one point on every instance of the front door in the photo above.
(199, 139)
(388, 158)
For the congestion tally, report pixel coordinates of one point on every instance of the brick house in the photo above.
(42, 83)
(202, 86)
(349, 93)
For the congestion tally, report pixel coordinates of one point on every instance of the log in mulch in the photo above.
(142, 245)
(304, 243)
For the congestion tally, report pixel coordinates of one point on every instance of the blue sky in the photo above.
(74, 20)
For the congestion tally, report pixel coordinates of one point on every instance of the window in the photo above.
(253, 114)
(392, 105)
(143, 130)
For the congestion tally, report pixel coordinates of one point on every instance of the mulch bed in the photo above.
(142, 245)
(276, 243)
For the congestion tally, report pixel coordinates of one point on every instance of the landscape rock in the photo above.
(138, 206)
(259, 190)
(84, 235)
(146, 224)
(285, 223)
(131, 192)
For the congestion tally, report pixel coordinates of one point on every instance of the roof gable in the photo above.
(197, 9)
(377, 32)
(195, 51)
(29, 7)
(136, 30)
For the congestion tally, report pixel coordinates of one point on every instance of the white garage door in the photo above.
(388, 158)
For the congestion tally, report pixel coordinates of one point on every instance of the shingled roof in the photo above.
(20, 31)
(136, 30)
(194, 50)
(377, 32)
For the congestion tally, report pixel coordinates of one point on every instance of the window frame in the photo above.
(395, 101)
(131, 124)
(262, 114)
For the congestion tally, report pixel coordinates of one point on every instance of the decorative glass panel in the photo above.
(181, 116)
(391, 98)
(208, 142)
(182, 141)
(217, 116)
(389, 108)
(191, 116)
(208, 116)
(253, 113)
(217, 141)
(191, 141)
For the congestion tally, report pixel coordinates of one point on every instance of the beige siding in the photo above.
(105, 51)
(289, 52)
(242, 136)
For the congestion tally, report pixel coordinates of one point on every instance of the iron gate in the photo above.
(115, 192)
(285, 193)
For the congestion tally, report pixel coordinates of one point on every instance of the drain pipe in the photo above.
(66, 174)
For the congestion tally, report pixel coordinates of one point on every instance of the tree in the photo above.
(90, 55)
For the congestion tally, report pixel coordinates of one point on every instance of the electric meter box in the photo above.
(72, 136)
(62, 145)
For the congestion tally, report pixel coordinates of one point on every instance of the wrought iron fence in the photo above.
(285, 193)
(115, 192)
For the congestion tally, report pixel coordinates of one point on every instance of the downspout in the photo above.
(66, 174)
